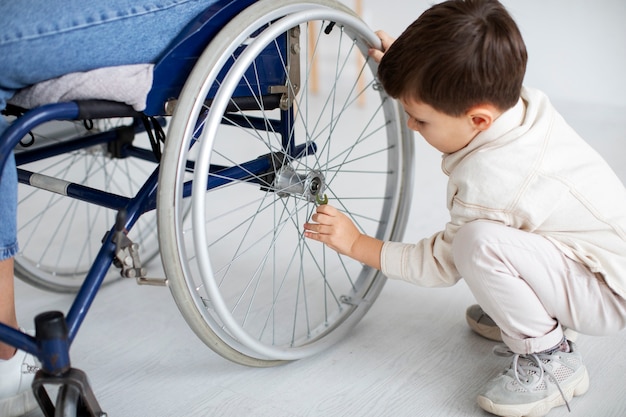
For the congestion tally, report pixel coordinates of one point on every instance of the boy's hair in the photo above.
(457, 54)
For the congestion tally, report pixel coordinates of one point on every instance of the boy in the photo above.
(538, 219)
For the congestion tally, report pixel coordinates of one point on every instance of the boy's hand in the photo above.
(386, 40)
(336, 230)
(333, 228)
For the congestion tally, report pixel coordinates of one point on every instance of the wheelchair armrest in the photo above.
(104, 109)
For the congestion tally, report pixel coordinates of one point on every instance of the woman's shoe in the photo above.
(16, 377)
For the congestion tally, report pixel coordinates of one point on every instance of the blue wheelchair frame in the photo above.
(54, 331)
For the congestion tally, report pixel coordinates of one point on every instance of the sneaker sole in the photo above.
(489, 332)
(539, 408)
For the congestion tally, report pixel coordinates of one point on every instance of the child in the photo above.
(537, 219)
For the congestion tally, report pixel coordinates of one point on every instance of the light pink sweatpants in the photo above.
(530, 289)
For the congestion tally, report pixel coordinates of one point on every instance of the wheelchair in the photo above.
(238, 144)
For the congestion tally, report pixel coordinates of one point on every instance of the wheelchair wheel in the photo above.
(255, 157)
(59, 236)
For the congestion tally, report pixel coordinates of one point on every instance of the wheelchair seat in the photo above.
(129, 84)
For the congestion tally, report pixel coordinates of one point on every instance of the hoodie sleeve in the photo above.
(427, 263)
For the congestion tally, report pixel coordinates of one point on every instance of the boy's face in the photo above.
(445, 133)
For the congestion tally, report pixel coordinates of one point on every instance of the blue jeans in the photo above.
(43, 39)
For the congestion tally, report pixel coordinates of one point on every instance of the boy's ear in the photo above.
(482, 116)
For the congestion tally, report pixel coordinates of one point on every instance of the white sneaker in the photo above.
(16, 377)
(536, 383)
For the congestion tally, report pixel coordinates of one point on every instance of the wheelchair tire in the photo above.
(239, 268)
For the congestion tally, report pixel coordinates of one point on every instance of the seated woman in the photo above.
(39, 41)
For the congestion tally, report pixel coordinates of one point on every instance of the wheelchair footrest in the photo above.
(155, 282)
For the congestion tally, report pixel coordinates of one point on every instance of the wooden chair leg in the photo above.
(314, 73)
(314, 85)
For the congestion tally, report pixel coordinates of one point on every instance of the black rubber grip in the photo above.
(103, 109)
(51, 325)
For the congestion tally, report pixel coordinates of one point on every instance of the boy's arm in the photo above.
(336, 230)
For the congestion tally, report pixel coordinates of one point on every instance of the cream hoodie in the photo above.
(531, 171)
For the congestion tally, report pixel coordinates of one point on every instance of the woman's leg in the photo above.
(8, 246)
(40, 39)
(7, 304)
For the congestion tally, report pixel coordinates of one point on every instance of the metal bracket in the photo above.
(291, 88)
(125, 135)
(354, 302)
(170, 106)
(346, 299)
(127, 257)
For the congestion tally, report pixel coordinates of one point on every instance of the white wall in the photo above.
(577, 48)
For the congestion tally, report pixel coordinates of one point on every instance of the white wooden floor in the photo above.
(412, 355)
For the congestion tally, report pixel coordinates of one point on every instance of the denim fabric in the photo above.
(8, 203)
(43, 39)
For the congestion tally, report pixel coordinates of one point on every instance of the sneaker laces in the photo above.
(525, 366)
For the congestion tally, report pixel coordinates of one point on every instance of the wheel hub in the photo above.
(289, 182)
